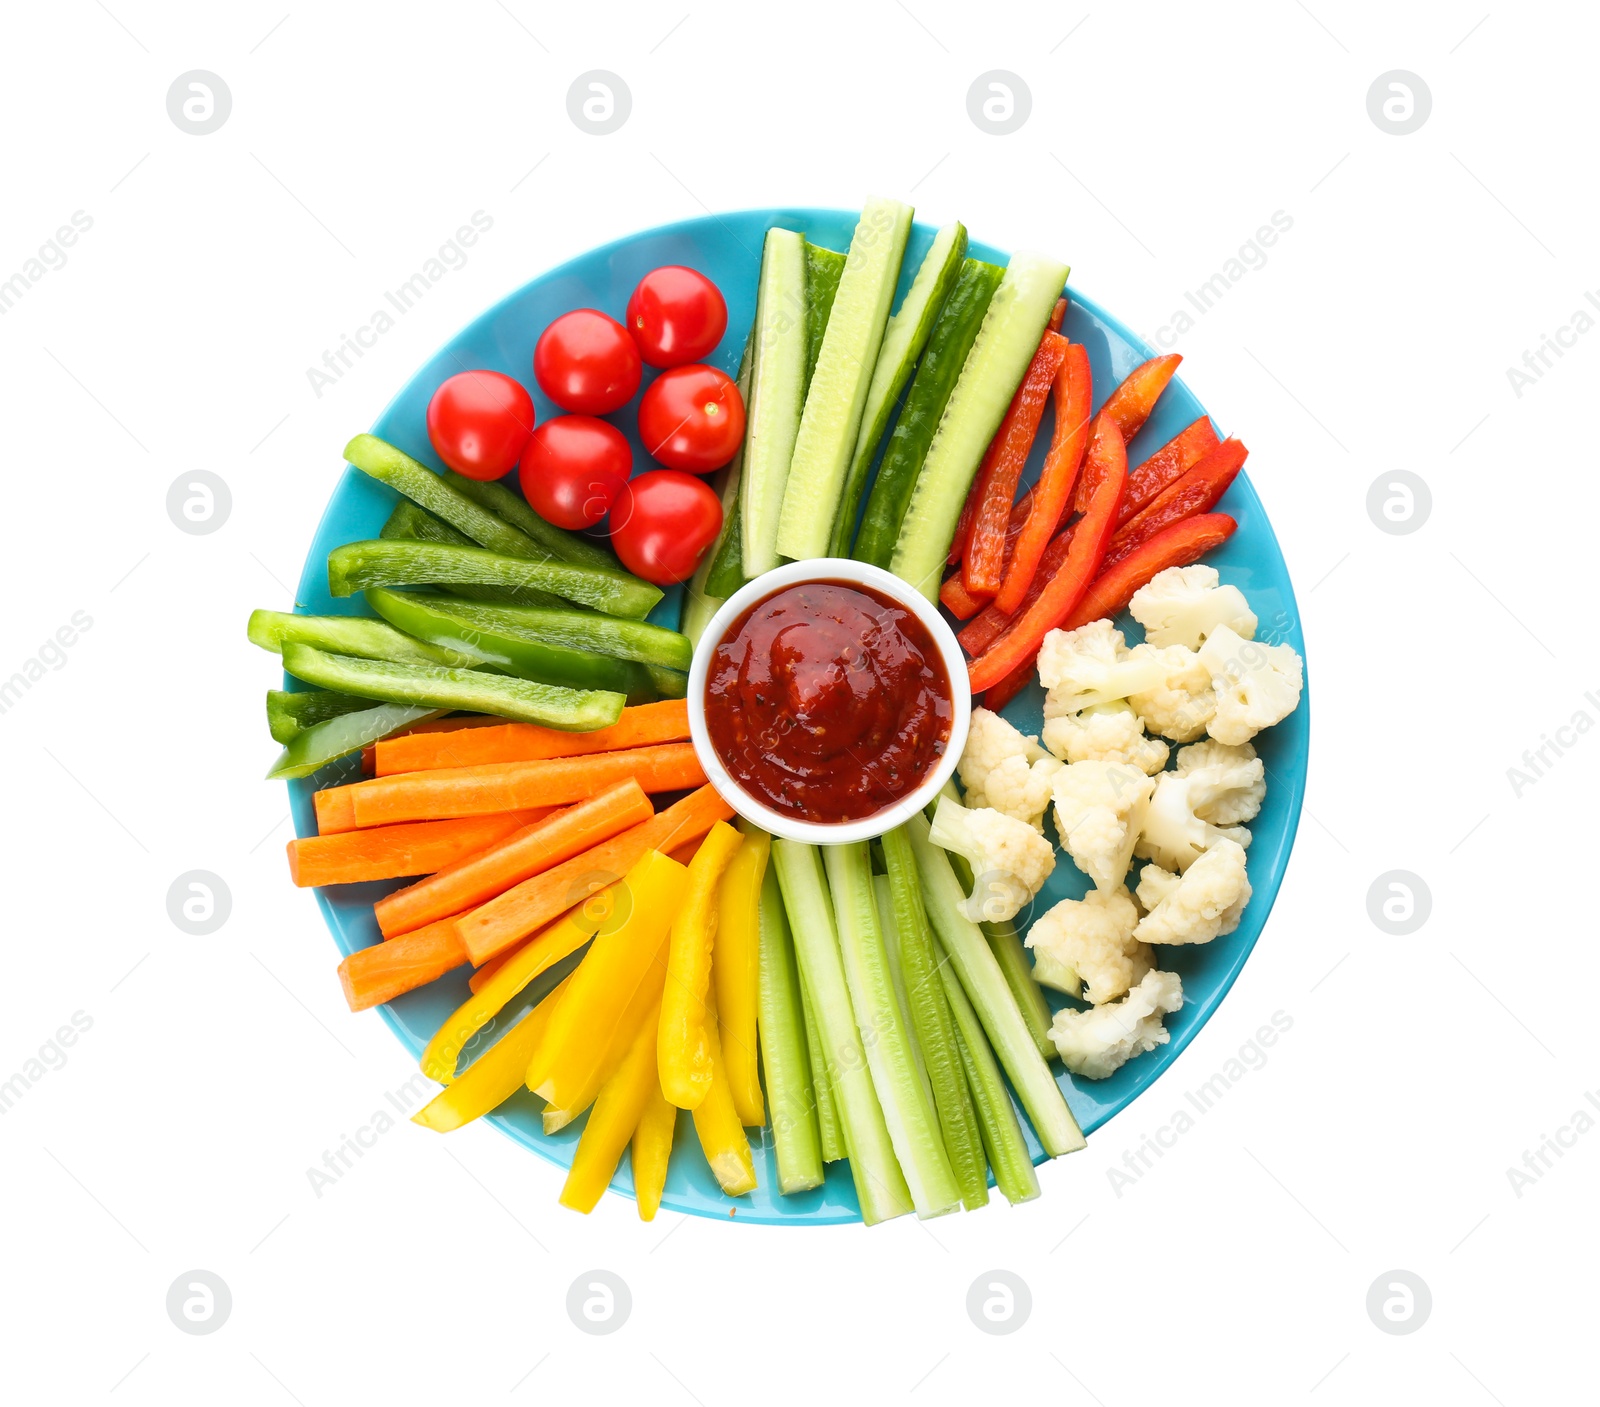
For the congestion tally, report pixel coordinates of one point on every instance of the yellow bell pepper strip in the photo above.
(625, 954)
(617, 1110)
(736, 970)
(652, 1148)
(684, 1053)
(495, 1075)
(602, 1061)
(717, 1123)
(566, 935)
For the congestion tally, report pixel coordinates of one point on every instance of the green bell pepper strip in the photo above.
(421, 485)
(289, 715)
(567, 626)
(512, 508)
(408, 523)
(436, 686)
(350, 635)
(333, 738)
(669, 683)
(446, 622)
(359, 565)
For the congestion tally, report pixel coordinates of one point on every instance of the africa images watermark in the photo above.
(1541, 1158)
(1537, 761)
(1537, 359)
(451, 255)
(1252, 257)
(52, 255)
(338, 1160)
(53, 653)
(1252, 1055)
(52, 1055)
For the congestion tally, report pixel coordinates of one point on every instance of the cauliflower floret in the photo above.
(1181, 702)
(1100, 1041)
(1183, 605)
(1256, 685)
(1205, 901)
(1246, 784)
(1100, 808)
(1086, 948)
(1173, 834)
(1002, 769)
(1105, 733)
(1088, 666)
(1010, 860)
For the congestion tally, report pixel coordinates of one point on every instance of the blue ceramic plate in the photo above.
(727, 249)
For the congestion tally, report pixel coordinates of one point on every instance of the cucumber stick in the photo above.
(837, 396)
(885, 1033)
(994, 368)
(777, 394)
(821, 1085)
(952, 338)
(903, 341)
(784, 1059)
(721, 571)
(823, 269)
(880, 1185)
(985, 985)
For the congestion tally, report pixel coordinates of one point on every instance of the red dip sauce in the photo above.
(828, 702)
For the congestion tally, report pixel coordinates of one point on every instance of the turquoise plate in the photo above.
(727, 249)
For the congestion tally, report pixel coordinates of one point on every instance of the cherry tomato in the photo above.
(676, 315)
(586, 362)
(478, 423)
(662, 524)
(692, 418)
(573, 469)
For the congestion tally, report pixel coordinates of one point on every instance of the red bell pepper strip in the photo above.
(956, 599)
(1196, 492)
(1168, 464)
(1090, 536)
(991, 622)
(1177, 546)
(1131, 403)
(1057, 313)
(984, 561)
(1073, 391)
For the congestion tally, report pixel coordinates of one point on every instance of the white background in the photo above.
(1377, 337)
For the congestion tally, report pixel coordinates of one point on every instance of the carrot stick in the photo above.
(685, 853)
(1002, 466)
(664, 722)
(378, 974)
(530, 851)
(388, 852)
(509, 786)
(453, 724)
(493, 927)
(336, 810)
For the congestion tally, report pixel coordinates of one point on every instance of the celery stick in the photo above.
(1007, 946)
(931, 1019)
(791, 1103)
(985, 985)
(996, 1115)
(821, 1085)
(891, 944)
(1017, 967)
(907, 1105)
(880, 1184)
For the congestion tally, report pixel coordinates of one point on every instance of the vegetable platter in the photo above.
(635, 678)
